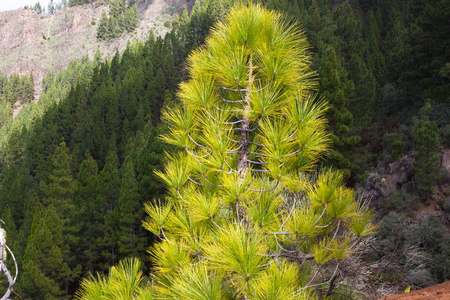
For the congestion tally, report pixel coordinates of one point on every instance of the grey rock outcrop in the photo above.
(388, 178)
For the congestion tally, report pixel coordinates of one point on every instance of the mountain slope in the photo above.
(40, 43)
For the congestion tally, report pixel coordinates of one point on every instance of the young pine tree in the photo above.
(243, 219)
(131, 240)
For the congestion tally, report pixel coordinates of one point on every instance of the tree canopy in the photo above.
(245, 217)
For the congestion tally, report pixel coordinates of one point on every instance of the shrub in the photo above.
(399, 201)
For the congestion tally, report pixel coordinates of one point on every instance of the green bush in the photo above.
(399, 202)
(431, 235)
(428, 234)
(440, 265)
(167, 24)
(390, 228)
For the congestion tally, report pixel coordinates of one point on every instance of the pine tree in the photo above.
(124, 281)
(59, 194)
(250, 131)
(111, 29)
(38, 8)
(108, 192)
(90, 210)
(131, 242)
(59, 191)
(102, 29)
(150, 158)
(132, 18)
(51, 8)
(337, 89)
(6, 112)
(44, 268)
(427, 161)
(158, 87)
(114, 10)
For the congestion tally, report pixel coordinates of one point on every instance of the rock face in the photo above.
(445, 166)
(40, 43)
(389, 178)
(398, 175)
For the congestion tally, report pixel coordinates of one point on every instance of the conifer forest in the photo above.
(275, 149)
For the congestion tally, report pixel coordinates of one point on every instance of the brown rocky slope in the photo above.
(40, 43)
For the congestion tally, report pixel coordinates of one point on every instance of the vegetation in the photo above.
(14, 91)
(78, 2)
(67, 189)
(125, 281)
(426, 144)
(5, 267)
(52, 7)
(121, 18)
(92, 139)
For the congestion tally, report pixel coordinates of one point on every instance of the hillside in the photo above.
(78, 164)
(40, 43)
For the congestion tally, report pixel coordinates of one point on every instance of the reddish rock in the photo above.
(437, 292)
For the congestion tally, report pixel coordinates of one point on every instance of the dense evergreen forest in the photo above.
(89, 163)
(77, 166)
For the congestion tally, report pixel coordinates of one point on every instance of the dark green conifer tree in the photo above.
(132, 18)
(150, 158)
(91, 211)
(132, 239)
(427, 161)
(159, 88)
(337, 90)
(43, 262)
(58, 193)
(102, 29)
(6, 112)
(111, 29)
(108, 191)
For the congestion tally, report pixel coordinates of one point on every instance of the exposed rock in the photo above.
(402, 178)
(446, 161)
(441, 291)
(387, 185)
(408, 188)
(389, 178)
(393, 167)
(446, 209)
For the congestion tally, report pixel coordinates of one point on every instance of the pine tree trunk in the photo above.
(245, 138)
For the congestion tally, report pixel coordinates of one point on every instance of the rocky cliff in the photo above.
(398, 176)
(40, 43)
